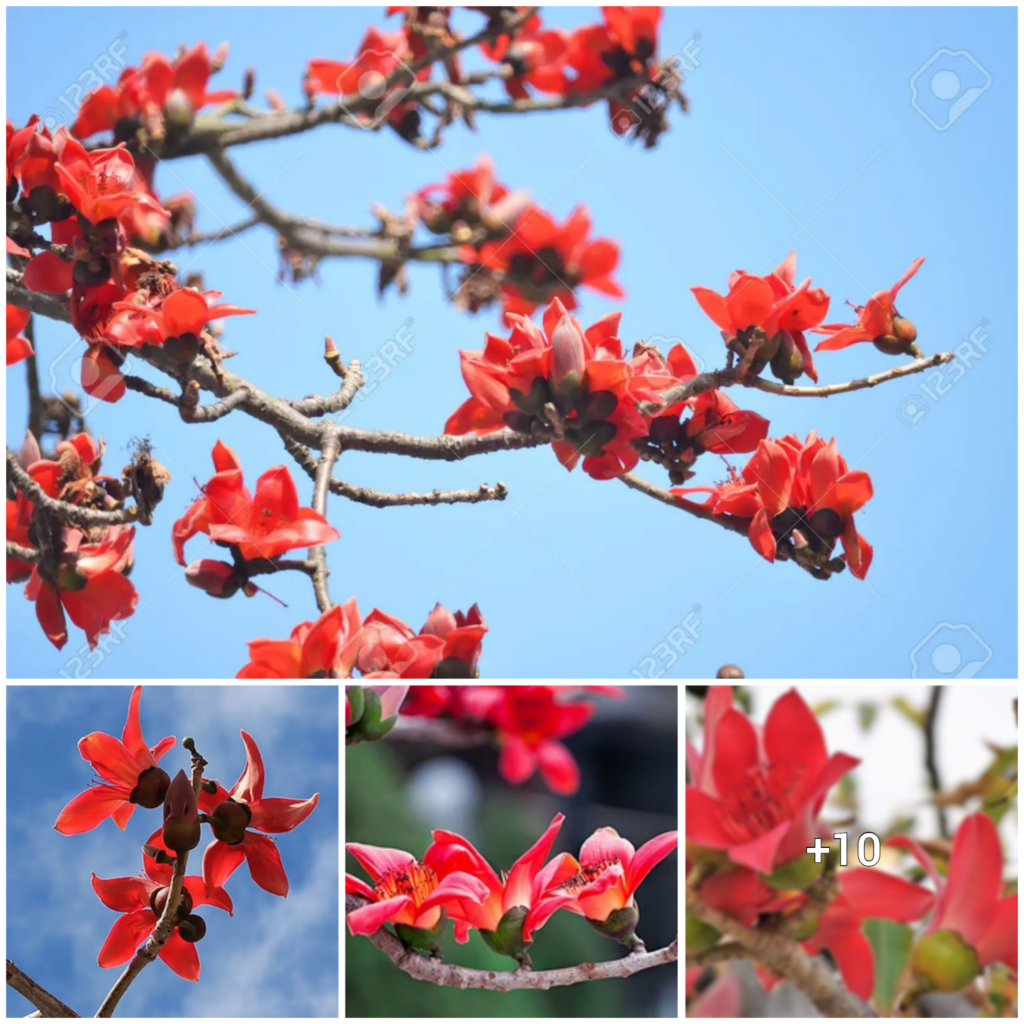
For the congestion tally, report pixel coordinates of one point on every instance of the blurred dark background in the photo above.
(398, 790)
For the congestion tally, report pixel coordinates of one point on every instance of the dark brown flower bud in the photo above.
(150, 788)
(229, 821)
(192, 928)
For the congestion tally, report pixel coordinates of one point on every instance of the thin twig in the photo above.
(64, 510)
(453, 976)
(49, 1005)
(318, 556)
(930, 760)
(21, 553)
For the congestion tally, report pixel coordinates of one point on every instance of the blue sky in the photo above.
(802, 134)
(276, 957)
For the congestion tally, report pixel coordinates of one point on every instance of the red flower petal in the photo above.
(128, 933)
(265, 863)
(182, 957)
(89, 809)
(219, 862)
(558, 767)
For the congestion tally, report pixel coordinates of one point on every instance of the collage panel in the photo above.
(511, 851)
(851, 850)
(179, 859)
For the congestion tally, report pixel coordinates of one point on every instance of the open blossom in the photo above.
(339, 645)
(244, 807)
(129, 773)
(158, 89)
(531, 721)
(610, 869)
(535, 57)
(263, 525)
(542, 260)
(405, 891)
(877, 321)
(517, 903)
(970, 903)
(139, 898)
(469, 199)
(757, 791)
(183, 313)
(796, 491)
(98, 183)
(580, 374)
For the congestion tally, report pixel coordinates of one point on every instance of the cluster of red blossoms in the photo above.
(88, 581)
(453, 880)
(513, 248)
(528, 724)
(131, 777)
(375, 84)
(121, 298)
(340, 644)
(754, 797)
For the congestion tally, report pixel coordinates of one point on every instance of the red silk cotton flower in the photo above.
(775, 304)
(404, 891)
(517, 903)
(970, 904)
(797, 491)
(542, 260)
(877, 321)
(244, 806)
(263, 525)
(129, 773)
(756, 792)
(140, 900)
(610, 870)
(530, 722)
(560, 372)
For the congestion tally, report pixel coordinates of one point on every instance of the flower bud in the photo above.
(150, 788)
(229, 821)
(945, 961)
(826, 523)
(158, 900)
(181, 815)
(788, 362)
(440, 622)
(534, 402)
(371, 725)
(354, 704)
(600, 405)
(192, 928)
(620, 925)
(507, 938)
(568, 351)
(182, 349)
(423, 940)
(797, 873)
(218, 579)
(730, 672)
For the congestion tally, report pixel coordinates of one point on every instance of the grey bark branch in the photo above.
(49, 1005)
(453, 976)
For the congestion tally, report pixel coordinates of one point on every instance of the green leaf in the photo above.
(914, 715)
(891, 944)
(824, 707)
(866, 714)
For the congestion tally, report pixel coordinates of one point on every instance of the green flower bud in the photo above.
(534, 402)
(944, 961)
(355, 703)
(507, 938)
(797, 873)
(423, 940)
(620, 925)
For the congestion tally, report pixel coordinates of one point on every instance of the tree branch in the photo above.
(165, 926)
(49, 1005)
(64, 510)
(930, 761)
(318, 556)
(785, 958)
(453, 976)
